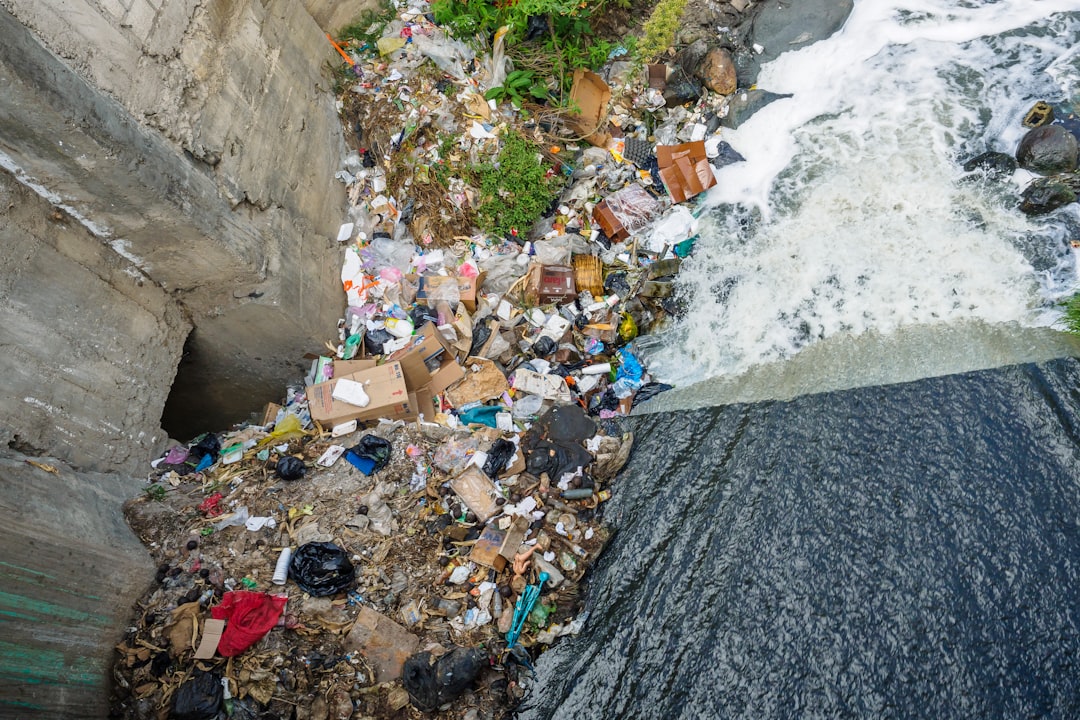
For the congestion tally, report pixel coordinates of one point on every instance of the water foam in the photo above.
(850, 215)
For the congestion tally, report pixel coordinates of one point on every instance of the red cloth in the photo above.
(250, 616)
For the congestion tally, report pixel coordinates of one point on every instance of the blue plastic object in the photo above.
(524, 606)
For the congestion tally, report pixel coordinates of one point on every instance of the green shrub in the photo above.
(1071, 318)
(514, 190)
(660, 29)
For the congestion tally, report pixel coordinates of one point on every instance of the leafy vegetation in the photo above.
(660, 29)
(516, 189)
(550, 38)
(369, 26)
(519, 85)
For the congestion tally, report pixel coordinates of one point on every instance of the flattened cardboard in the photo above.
(383, 643)
(483, 381)
(212, 632)
(384, 385)
(514, 536)
(591, 95)
(429, 345)
(486, 550)
(685, 169)
(270, 413)
(477, 492)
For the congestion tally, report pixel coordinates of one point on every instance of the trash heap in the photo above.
(410, 527)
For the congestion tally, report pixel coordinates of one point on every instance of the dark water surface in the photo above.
(899, 551)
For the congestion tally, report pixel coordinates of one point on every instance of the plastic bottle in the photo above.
(281, 570)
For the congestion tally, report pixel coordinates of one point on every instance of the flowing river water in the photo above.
(863, 500)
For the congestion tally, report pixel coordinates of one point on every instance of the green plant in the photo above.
(518, 85)
(516, 189)
(368, 27)
(660, 28)
(155, 492)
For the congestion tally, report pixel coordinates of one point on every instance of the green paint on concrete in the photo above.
(39, 583)
(44, 666)
(20, 704)
(26, 570)
(46, 612)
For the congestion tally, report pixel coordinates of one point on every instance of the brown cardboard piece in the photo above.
(477, 492)
(483, 381)
(515, 535)
(625, 211)
(429, 345)
(383, 643)
(684, 169)
(591, 95)
(212, 631)
(487, 547)
(385, 385)
(270, 413)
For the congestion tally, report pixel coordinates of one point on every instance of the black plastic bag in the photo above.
(321, 569)
(374, 339)
(500, 453)
(421, 315)
(648, 391)
(209, 444)
(605, 401)
(374, 449)
(616, 283)
(537, 27)
(544, 346)
(431, 685)
(556, 458)
(290, 468)
(481, 333)
(199, 698)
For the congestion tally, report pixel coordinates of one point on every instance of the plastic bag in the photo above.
(498, 456)
(454, 454)
(199, 698)
(447, 54)
(321, 569)
(250, 614)
(433, 684)
(208, 445)
(375, 339)
(370, 455)
(290, 468)
(648, 391)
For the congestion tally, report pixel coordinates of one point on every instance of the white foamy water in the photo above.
(850, 215)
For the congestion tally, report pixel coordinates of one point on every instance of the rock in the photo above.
(745, 104)
(997, 164)
(1047, 150)
(1046, 195)
(717, 71)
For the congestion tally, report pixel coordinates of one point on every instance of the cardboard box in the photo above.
(685, 169)
(467, 288)
(348, 367)
(270, 413)
(429, 362)
(591, 95)
(384, 385)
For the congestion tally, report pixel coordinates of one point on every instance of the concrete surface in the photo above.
(69, 571)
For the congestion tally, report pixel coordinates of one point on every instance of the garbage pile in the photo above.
(410, 527)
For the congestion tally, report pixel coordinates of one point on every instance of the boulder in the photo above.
(1046, 195)
(1047, 150)
(717, 71)
(995, 164)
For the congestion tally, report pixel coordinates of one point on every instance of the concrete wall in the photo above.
(166, 166)
(88, 344)
(200, 139)
(69, 571)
